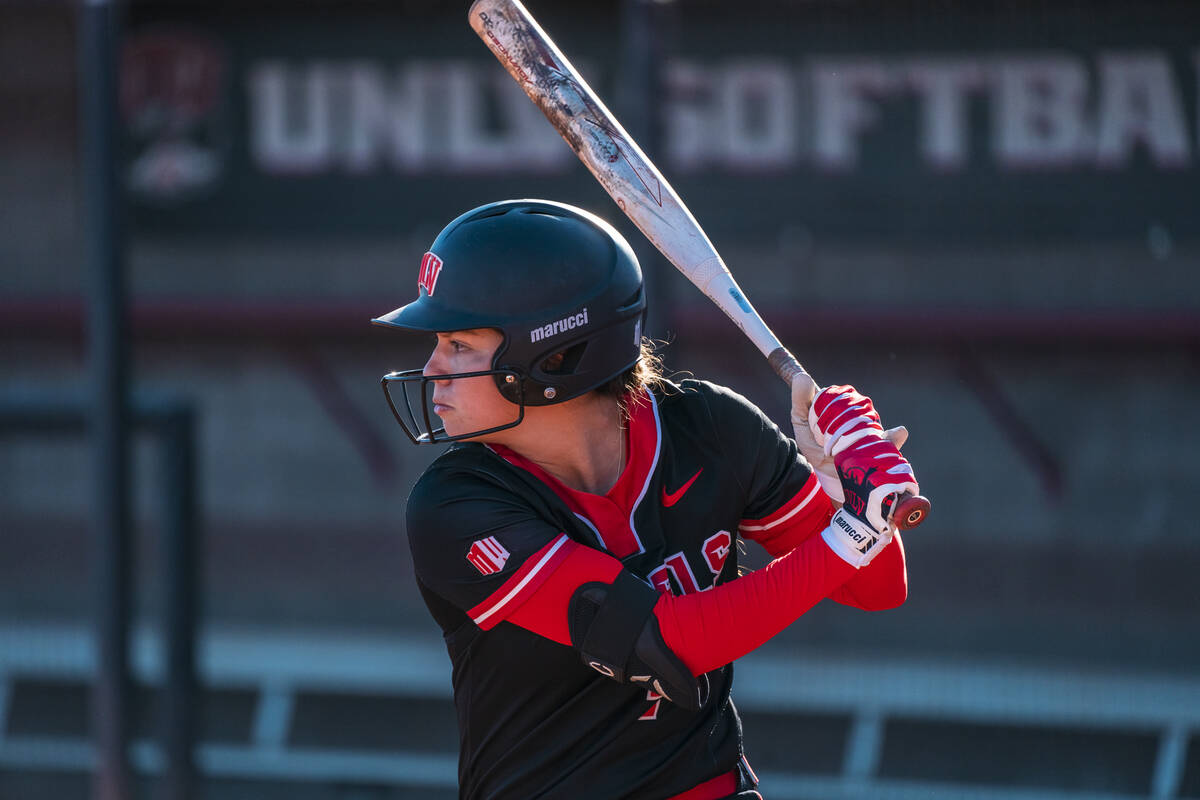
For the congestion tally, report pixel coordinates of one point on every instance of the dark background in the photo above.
(1021, 293)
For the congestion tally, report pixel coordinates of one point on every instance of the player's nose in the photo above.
(436, 365)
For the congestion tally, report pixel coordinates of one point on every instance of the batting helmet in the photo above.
(552, 279)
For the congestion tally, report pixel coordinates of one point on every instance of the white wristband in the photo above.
(853, 540)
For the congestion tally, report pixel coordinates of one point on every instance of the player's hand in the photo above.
(871, 472)
(821, 462)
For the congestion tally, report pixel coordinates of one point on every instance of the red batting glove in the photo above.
(872, 471)
(840, 415)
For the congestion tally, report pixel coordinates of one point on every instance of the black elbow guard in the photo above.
(614, 628)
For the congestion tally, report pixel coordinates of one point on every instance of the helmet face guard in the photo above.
(413, 385)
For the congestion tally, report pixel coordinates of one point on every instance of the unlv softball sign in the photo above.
(1041, 111)
(936, 140)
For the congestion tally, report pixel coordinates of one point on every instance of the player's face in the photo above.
(467, 404)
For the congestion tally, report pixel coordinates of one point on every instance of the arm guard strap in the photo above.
(615, 630)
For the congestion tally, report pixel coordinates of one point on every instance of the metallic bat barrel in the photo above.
(629, 177)
(613, 157)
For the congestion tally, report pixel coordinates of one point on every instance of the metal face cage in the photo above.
(420, 428)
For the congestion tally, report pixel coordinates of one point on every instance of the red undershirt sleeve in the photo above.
(706, 629)
(709, 629)
(880, 585)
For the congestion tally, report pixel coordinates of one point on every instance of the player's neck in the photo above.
(580, 442)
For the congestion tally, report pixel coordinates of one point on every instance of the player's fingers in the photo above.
(897, 435)
(875, 501)
(804, 389)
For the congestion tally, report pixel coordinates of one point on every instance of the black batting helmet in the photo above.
(552, 279)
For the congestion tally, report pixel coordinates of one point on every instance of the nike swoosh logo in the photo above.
(670, 499)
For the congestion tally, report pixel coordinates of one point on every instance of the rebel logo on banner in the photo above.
(173, 102)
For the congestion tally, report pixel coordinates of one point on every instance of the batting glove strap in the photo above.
(853, 540)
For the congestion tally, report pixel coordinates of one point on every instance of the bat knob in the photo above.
(910, 511)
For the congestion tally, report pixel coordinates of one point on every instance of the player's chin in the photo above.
(456, 426)
(492, 432)
(452, 426)
(479, 437)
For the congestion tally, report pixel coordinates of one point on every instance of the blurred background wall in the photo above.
(984, 215)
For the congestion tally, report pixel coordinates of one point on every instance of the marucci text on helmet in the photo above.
(559, 326)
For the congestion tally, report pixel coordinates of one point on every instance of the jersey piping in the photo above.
(644, 445)
(789, 510)
(522, 584)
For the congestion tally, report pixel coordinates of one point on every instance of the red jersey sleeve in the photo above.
(803, 515)
(477, 546)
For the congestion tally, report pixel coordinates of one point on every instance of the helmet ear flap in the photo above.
(512, 382)
(551, 375)
(509, 385)
(565, 361)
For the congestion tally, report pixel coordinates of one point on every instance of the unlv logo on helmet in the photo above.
(431, 268)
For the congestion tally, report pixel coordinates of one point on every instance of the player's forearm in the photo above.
(880, 585)
(712, 628)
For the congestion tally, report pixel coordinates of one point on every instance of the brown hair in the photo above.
(632, 384)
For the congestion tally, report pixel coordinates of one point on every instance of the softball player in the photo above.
(577, 545)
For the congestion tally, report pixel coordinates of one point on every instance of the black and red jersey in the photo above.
(499, 546)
